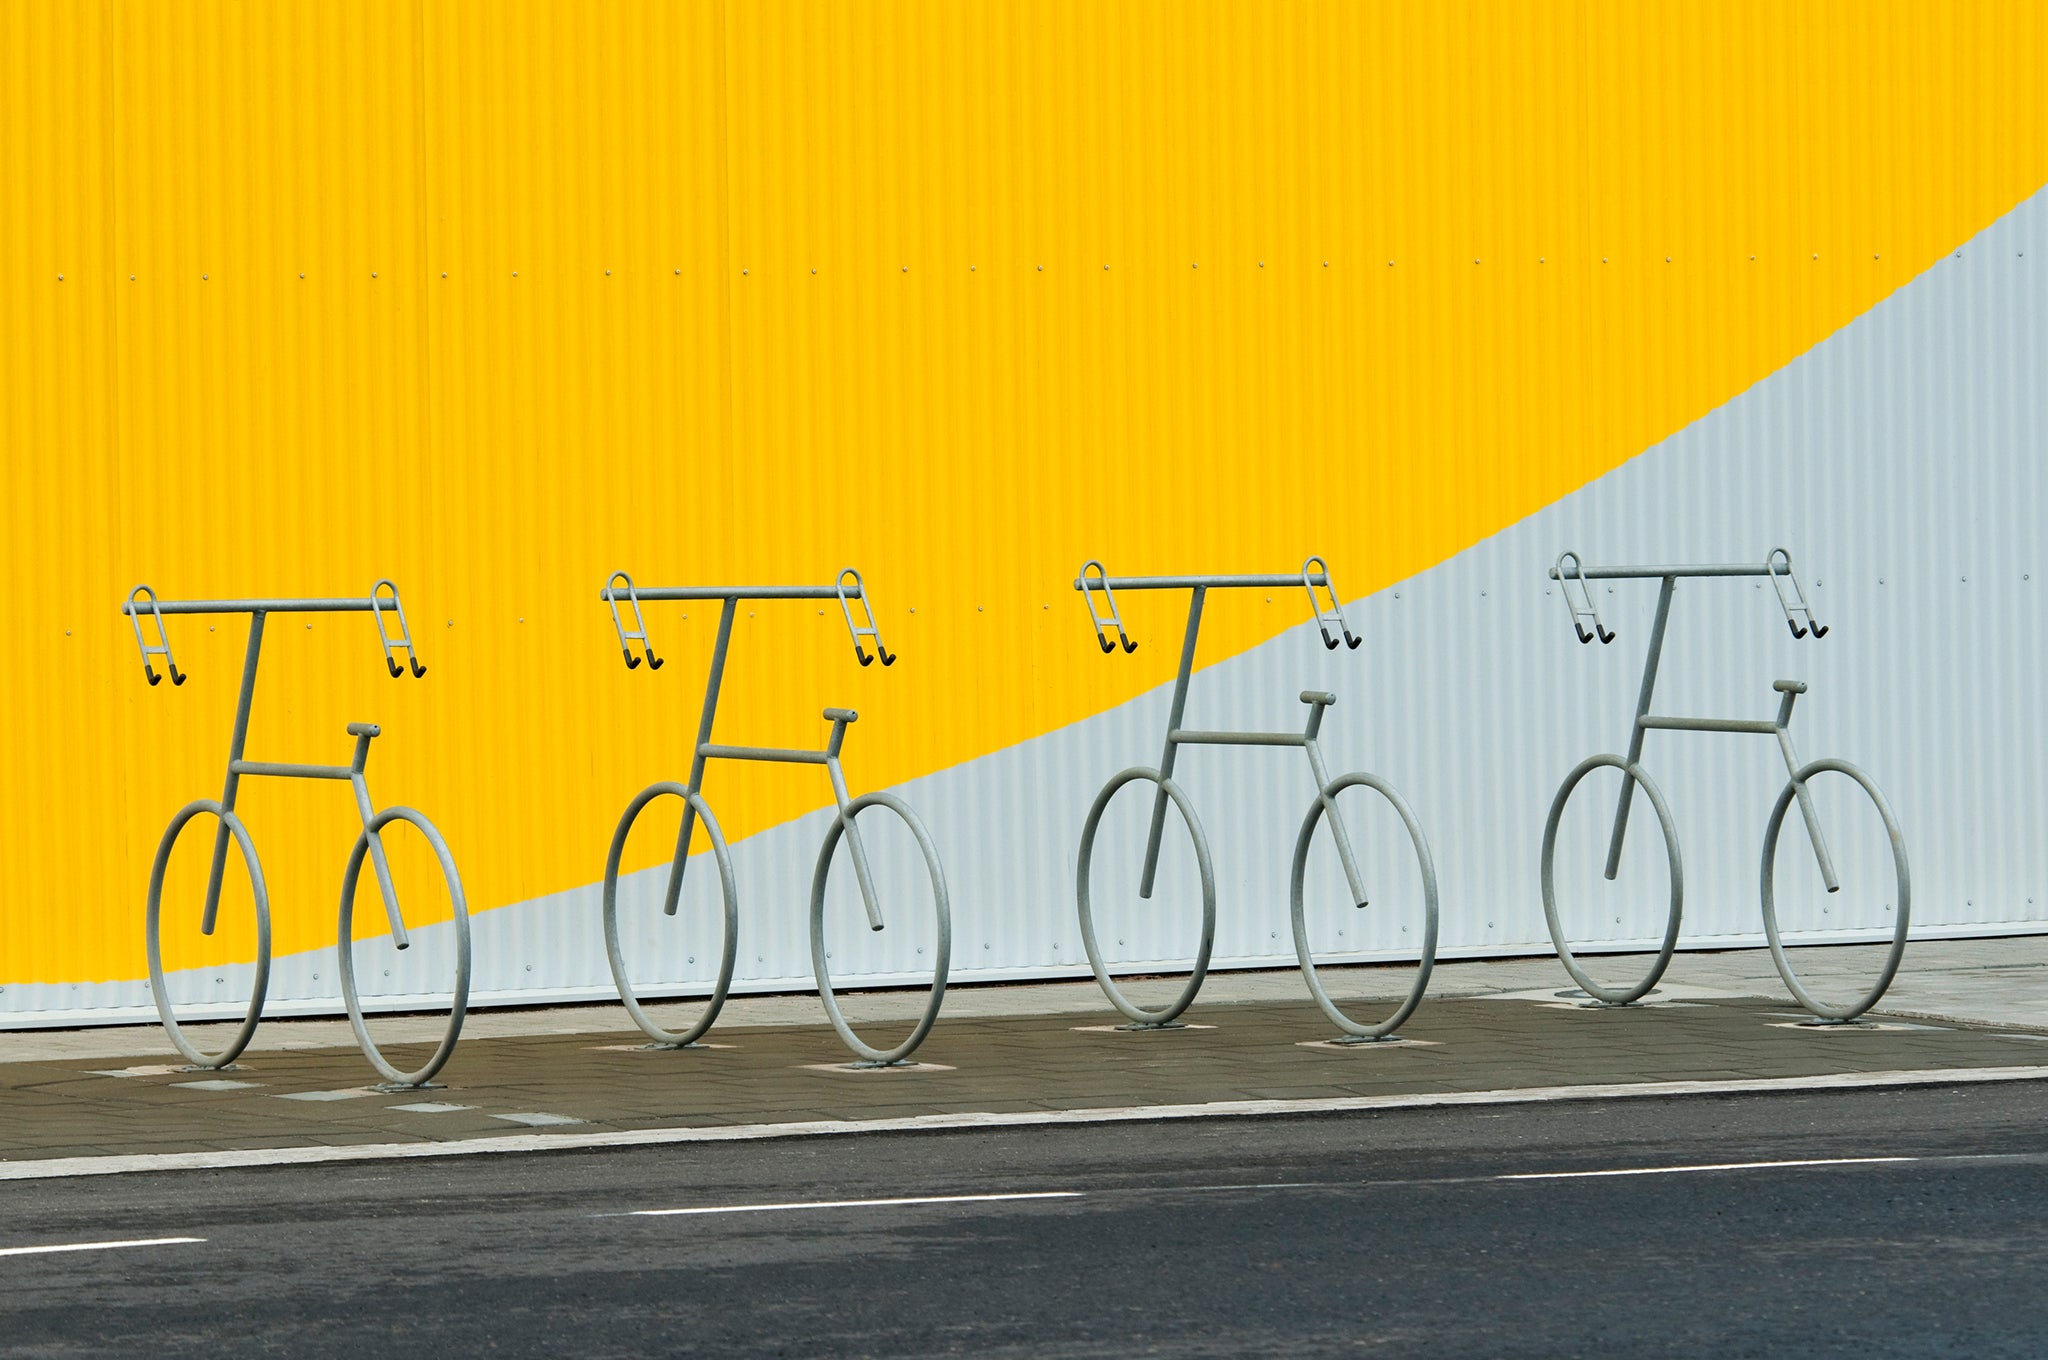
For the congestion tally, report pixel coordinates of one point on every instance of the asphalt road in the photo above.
(1453, 1232)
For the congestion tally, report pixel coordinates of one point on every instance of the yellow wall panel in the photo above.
(494, 298)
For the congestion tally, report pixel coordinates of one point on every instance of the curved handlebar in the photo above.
(404, 639)
(1113, 619)
(872, 629)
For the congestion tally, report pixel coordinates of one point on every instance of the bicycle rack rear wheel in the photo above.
(157, 986)
(1904, 883)
(1613, 996)
(1152, 1017)
(941, 905)
(1385, 1028)
(615, 951)
(345, 949)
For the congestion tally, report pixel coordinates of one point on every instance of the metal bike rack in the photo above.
(384, 609)
(846, 589)
(1092, 581)
(1568, 571)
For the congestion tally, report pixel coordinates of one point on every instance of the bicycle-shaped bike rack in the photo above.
(383, 609)
(1567, 572)
(1313, 575)
(846, 589)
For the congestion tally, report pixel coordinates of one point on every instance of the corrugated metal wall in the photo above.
(492, 299)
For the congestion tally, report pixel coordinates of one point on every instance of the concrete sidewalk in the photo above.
(1253, 1037)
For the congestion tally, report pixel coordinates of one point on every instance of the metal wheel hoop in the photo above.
(1142, 1015)
(459, 1000)
(729, 886)
(157, 986)
(1328, 799)
(1613, 996)
(1770, 904)
(941, 905)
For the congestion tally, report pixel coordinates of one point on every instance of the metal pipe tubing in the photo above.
(281, 771)
(775, 754)
(647, 593)
(1709, 725)
(1651, 660)
(1196, 582)
(1194, 738)
(244, 701)
(1196, 598)
(712, 680)
(259, 606)
(1653, 573)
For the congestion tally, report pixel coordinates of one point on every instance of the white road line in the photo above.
(852, 1203)
(98, 1246)
(1704, 1166)
(124, 1164)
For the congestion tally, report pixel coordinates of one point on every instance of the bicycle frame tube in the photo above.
(1312, 575)
(1777, 566)
(259, 610)
(705, 750)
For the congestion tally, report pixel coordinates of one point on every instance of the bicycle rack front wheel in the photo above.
(941, 906)
(158, 988)
(1613, 996)
(1154, 1016)
(1328, 801)
(615, 951)
(1902, 878)
(345, 948)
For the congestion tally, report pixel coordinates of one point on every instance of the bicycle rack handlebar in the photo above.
(1313, 571)
(1798, 600)
(841, 590)
(1313, 574)
(1088, 588)
(163, 647)
(858, 632)
(142, 598)
(1591, 611)
(638, 633)
(1777, 566)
